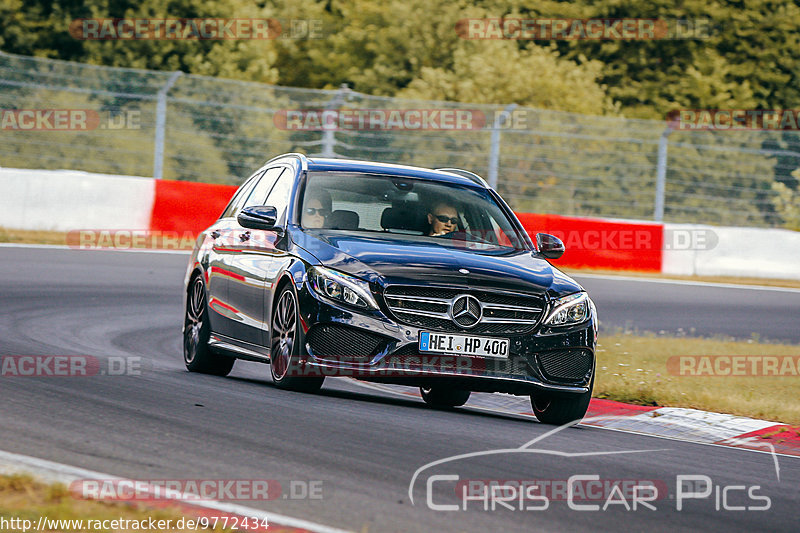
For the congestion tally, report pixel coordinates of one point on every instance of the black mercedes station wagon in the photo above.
(388, 273)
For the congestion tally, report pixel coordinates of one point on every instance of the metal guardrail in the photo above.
(187, 127)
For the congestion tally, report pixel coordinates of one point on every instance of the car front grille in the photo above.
(565, 365)
(342, 342)
(429, 308)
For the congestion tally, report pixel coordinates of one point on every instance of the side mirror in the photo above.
(258, 217)
(549, 246)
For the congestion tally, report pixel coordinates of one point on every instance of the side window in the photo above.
(279, 196)
(264, 185)
(241, 194)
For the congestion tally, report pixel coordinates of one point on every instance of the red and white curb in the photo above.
(691, 425)
(52, 472)
(694, 425)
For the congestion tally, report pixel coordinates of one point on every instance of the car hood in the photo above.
(386, 260)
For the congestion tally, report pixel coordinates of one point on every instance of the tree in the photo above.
(42, 28)
(500, 72)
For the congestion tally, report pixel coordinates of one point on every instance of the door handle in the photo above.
(244, 236)
(215, 234)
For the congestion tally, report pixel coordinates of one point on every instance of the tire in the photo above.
(443, 397)
(197, 355)
(285, 346)
(561, 409)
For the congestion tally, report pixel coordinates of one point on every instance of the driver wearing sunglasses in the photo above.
(443, 219)
(316, 210)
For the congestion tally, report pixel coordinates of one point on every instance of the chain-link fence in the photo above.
(187, 127)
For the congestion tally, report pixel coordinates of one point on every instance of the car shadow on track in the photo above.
(411, 403)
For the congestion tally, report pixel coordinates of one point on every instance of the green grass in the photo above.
(25, 498)
(633, 369)
(32, 237)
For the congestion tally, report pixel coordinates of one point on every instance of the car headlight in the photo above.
(569, 310)
(341, 287)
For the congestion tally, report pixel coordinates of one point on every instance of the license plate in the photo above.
(463, 344)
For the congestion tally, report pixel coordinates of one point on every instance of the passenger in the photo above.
(316, 209)
(443, 219)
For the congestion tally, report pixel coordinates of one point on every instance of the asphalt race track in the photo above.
(679, 307)
(361, 446)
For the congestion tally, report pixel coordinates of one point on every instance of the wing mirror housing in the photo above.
(549, 246)
(261, 217)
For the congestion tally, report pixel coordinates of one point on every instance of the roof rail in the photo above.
(302, 158)
(466, 174)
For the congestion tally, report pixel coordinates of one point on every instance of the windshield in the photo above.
(420, 210)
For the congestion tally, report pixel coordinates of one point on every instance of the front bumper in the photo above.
(338, 341)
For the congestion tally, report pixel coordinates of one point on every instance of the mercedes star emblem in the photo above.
(466, 311)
